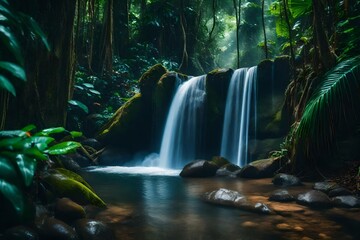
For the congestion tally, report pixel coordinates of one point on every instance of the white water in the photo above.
(234, 144)
(150, 171)
(179, 142)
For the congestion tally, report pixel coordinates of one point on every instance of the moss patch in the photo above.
(149, 79)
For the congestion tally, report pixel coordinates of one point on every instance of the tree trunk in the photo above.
(264, 30)
(106, 48)
(121, 27)
(43, 100)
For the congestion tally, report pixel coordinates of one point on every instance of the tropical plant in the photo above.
(21, 154)
(15, 25)
(332, 109)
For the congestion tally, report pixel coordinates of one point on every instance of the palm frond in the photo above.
(333, 108)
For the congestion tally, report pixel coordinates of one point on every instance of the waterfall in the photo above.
(242, 90)
(183, 124)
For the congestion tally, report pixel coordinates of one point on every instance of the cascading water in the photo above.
(242, 89)
(182, 129)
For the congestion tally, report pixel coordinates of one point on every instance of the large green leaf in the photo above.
(63, 148)
(36, 154)
(8, 143)
(12, 133)
(27, 167)
(299, 8)
(73, 176)
(11, 43)
(49, 131)
(14, 69)
(80, 105)
(333, 107)
(14, 195)
(8, 171)
(7, 85)
(40, 142)
(34, 27)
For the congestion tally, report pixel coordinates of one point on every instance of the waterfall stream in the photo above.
(183, 124)
(235, 138)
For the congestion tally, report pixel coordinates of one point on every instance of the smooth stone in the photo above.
(314, 199)
(261, 168)
(81, 160)
(230, 198)
(88, 229)
(55, 229)
(21, 233)
(286, 180)
(347, 201)
(69, 163)
(324, 236)
(227, 170)
(249, 224)
(340, 191)
(198, 169)
(283, 226)
(92, 142)
(281, 195)
(298, 229)
(68, 210)
(286, 208)
(325, 186)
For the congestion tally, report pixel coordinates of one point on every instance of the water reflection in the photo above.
(168, 207)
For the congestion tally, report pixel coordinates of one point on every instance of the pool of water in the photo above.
(156, 204)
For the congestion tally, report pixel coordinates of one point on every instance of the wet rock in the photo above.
(227, 170)
(226, 197)
(340, 191)
(219, 161)
(199, 168)
(286, 180)
(67, 210)
(92, 142)
(249, 224)
(81, 160)
(21, 233)
(283, 226)
(149, 79)
(113, 157)
(88, 229)
(261, 168)
(314, 199)
(347, 201)
(325, 187)
(55, 229)
(69, 163)
(281, 195)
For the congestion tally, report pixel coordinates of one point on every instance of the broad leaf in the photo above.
(27, 167)
(29, 128)
(7, 85)
(88, 85)
(8, 171)
(11, 43)
(12, 133)
(14, 69)
(80, 105)
(76, 134)
(40, 142)
(74, 176)
(49, 131)
(36, 154)
(299, 8)
(14, 195)
(63, 148)
(8, 143)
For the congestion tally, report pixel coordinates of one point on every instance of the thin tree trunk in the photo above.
(290, 33)
(185, 57)
(237, 17)
(264, 30)
(213, 18)
(106, 50)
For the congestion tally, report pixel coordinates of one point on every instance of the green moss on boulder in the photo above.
(149, 79)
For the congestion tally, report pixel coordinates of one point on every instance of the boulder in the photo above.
(92, 142)
(81, 160)
(199, 168)
(149, 79)
(261, 168)
(314, 199)
(67, 210)
(219, 161)
(281, 195)
(113, 156)
(339, 191)
(286, 180)
(346, 201)
(230, 198)
(55, 229)
(325, 187)
(89, 229)
(21, 233)
(69, 163)
(227, 170)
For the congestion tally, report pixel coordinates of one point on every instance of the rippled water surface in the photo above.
(156, 204)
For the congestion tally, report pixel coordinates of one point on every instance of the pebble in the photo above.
(283, 226)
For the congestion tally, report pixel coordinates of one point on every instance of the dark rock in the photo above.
(88, 229)
(325, 187)
(69, 163)
(199, 168)
(227, 170)
(21, 233)
(55, 229)
(281, 195)
(219, 161)
(92, 142)
(314, 199)
(230, 198)
(261, 168)
(93, 123)
(347, 201)
(81, 160)
(339, 191)
(67, 210)
(113, 157)
(286, 180)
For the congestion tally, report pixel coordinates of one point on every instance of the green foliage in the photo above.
(299, 8)
(333, 108)
(15, 26)
(349, 34)
(20, 153)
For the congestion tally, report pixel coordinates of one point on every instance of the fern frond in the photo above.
(333, 108)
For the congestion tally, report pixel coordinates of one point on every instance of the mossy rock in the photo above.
(149, 79)
(219, 161)
(217, 84)
(71, 186)
(129, 127)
